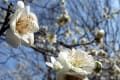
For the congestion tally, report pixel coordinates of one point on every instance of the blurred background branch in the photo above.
(86, 17)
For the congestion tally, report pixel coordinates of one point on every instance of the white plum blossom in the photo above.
(23, 24)
(74, 62)
(77, 61)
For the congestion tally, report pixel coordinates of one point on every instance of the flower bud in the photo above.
(100, 33)
(93, 52)
(63, 19)
(98, 67)
(99, 36)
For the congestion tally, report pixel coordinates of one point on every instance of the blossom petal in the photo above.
(26, 11)
(53, 60)
(49, 64)
(34, 25)
(14, 19)
(63, 58)
(20, 4)
(58, 66)
(79, 71)
(13, 23)
(12, 38)
(34, 16)
(28, 39)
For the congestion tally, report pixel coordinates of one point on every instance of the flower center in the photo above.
(76, 61)
(23, 25)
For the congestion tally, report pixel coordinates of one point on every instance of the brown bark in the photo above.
(70, 77)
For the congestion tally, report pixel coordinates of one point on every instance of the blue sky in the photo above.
(76, 9)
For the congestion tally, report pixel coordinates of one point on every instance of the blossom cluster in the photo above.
(75, 62)
(71, 64)
(23, 24)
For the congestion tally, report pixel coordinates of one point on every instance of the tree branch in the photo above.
(5, 25)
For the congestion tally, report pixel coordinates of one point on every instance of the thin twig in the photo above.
(74, 45)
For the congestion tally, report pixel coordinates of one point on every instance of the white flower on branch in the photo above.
(23, 24)
(74, 62)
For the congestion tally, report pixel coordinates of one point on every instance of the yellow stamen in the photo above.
(76, 60)
(22, 25)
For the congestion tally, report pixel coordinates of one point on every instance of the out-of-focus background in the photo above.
(87, 16)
